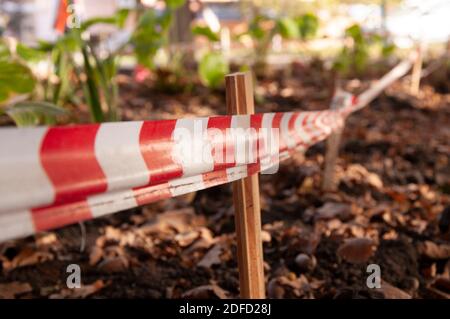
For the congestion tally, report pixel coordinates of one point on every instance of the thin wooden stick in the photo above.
(329, 181)
(239, 94)
(417, 71)
(333, 142)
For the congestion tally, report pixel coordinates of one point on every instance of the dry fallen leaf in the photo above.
(305, 263)
(433, 250)
(356, 250)
(95, 256)
(13, 289)
(275, 290)
(206, 292)
(265, 236)
(307, 186)
(205, 240)
(79, 293)
(186, 238)
(359, 173)
(442, 284)
(429, 271)
(288, 287)
(391, 292)
(180, 220)
(212, 257)
(46, 239)
(332, 210)
(114, 264)
(434, 293)
(27, 257)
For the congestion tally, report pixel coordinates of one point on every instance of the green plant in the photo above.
(15, 77)
(262, 30)
(152, 32)
(206, 32)
(287, 28)
(95, 75)
(99, 84)
(150, 37)
(308, 25)
(262, 37)
(212, 69)
(17, 83)
(31, 113)
(355, 54)
(213, 65)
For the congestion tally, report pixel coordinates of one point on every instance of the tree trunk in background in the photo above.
(180, 31)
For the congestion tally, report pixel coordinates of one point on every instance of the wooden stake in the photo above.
(333, 142)
(239, 95)
(329, 181)
(417, 71)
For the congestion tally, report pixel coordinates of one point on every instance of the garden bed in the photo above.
(394, 192)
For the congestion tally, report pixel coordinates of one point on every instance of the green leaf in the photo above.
(4, 94)
(377, 38)
(62, 70)
(164, 21)
(288, 28)
(355, 33)
(388, 49)
(70, 42)
(34, 113)
(15, 78)
(4, 51)
(29, 54)
(97, 20)
(117, 19)
(308, 25)
(45, 46)
(150, 35)
(207, 32)
(175, 4)
(212, 69)
(255, 30)
(121, 17)
(92, 89)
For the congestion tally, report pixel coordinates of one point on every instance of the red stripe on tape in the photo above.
(57, 216)
(292, 130)
(222, 145)
(68, 158)
(157, 146)
(149, 194)
(258, 142)
(276, 124)
(215, 178)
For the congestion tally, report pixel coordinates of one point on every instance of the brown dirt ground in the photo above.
(394, 190)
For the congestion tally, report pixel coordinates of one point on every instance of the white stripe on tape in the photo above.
(25, 182)
(284, 126)
(186, 185)
(240, 125)
(107, 203)
(300, 129)
(118, 152)
(269, 154)
(321, 123)
(192, 147)
(237, 172)
(16, 224)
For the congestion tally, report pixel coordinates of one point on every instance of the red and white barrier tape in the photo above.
(55, 176)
